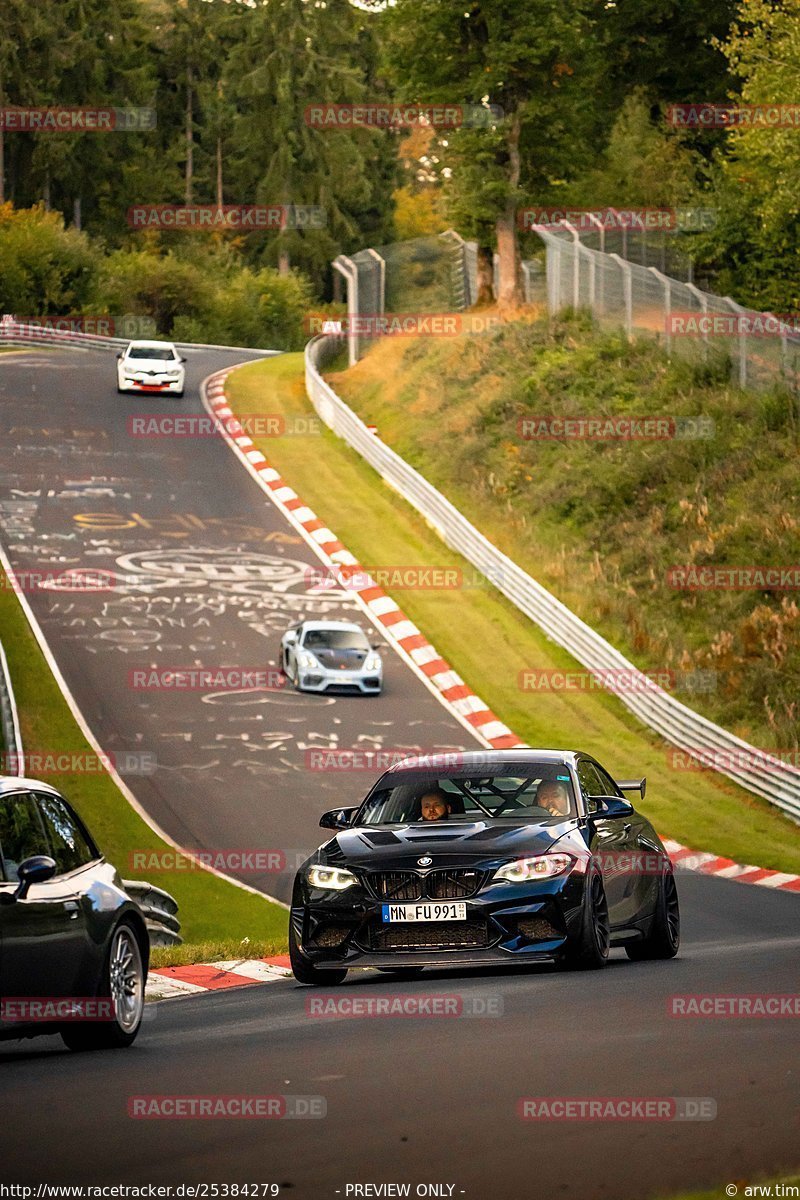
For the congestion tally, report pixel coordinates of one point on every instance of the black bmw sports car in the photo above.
(74, 946)
(497, 856)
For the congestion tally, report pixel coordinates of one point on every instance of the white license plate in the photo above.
(443, 911)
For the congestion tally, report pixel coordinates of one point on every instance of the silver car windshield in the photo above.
(335, 639)
(159, 353)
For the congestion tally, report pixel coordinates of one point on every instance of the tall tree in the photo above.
(514, 54)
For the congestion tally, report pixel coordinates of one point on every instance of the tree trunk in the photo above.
(2, 170)
(189, 138)
(46, 191)
(485, 275)
(509, 292)
(219, 172)
(76, 212)
(283, 262)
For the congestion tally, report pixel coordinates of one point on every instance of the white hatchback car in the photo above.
(151, 367)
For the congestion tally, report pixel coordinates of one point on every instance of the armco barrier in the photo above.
(778, 783)
(9, 718)
(15, 334)
(160, 912)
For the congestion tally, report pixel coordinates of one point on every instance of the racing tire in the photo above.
(589, 950)
(663, 938)
(122, 982)
(402, 972)
(304, 972)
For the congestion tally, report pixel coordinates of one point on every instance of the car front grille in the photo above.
(458, 884)
(429, 935)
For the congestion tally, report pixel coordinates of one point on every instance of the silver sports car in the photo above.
(317, 655)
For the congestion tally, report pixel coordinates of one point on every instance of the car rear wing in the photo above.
(632, 785)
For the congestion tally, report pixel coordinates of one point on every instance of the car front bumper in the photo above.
(505, 923)
(152, 387)
(316, 680)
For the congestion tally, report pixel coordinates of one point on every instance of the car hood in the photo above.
(339, 659)
(388, 848)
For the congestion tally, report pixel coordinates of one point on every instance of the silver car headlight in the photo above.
(543, 866)
(372, 662)
(334, 879)
(172, 374)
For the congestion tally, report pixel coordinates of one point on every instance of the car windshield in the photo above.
(543, 792)
(161, 353)
(335, 639)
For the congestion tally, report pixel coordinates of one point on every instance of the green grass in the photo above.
(488, 641)
(211, 909)
(218, 950)
(601, 523)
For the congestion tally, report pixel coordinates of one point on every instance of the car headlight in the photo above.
(372, 662)
(544, 866)
(335, 879)
(307, 661)
(173, 374)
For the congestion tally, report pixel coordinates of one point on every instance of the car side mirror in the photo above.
(120, 354)
(609, 807)
(184, 360)
(337, 818)
(36, 869)
(377, 645)
(290, 637)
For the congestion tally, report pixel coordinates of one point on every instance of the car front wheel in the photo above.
(589, 950)
(303, 970)
(122, 983)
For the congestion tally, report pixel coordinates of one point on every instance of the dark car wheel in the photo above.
(402, 972)
(123, 982)
(304, 972)
(589, 950)
(664, 936)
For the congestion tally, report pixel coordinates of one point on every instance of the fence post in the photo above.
(667, 286)
(345, 266)
(703, 298)
(381, 280)
(627, 288)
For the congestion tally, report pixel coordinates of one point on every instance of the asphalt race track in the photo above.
(206, 573)
(433, 1100)
(209, 574)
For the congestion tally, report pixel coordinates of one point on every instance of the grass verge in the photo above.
(211, 909)
(488, 641)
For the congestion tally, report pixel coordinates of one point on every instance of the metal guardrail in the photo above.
(753, 769)
(17, 334)
(9, 720)
(160, 912)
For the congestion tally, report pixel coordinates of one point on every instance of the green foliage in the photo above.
(45, 267)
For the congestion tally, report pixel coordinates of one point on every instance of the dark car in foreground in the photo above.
(74, 947)
(526, 856)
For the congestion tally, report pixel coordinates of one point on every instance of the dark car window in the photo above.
(21, 833)
(589, 779)
(69, 846)
(609, 786)
(507, 797)
(159, 353)
(335, 639)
